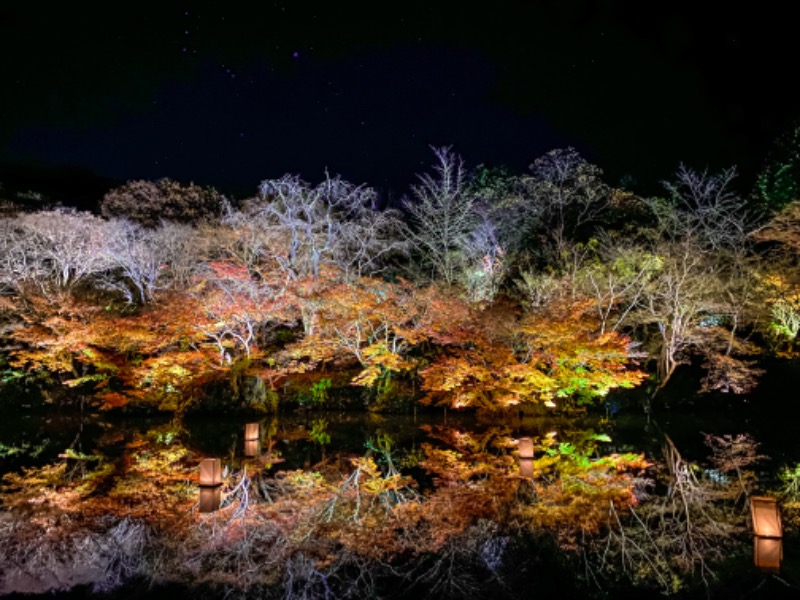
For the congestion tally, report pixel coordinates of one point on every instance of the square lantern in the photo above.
(210, 498)
(766, 517)
(251, 431)
(526, 468)
(525, 447)
(768, 553)
(210, 472)
(252, 447)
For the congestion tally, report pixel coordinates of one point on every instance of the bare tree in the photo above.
(55, 249)
(303, 227)
(704, 284)
(133, 252)
(569, 193)
(616, 278)
(443, 216)
(703, 206)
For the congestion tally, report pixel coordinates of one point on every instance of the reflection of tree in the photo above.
(344, 520)
(674, 540)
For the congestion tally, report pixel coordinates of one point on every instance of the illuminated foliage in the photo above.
(538, 358)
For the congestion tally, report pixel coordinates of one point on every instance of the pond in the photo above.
(80, 479)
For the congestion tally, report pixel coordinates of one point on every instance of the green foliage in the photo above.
(790, 483)
(165, 438)
(23, 449)
(316, 395)
(10, 375)
(579, 452)
(319, 432)
(778, 183)
(76, 455)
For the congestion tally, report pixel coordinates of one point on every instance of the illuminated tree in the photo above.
(442, 216)
(549, 355)
(298, 228)
(148, 203)
(778, 182)
(145, 260)
(55, 249)
(783, 227)
(238, 308)
(615, 278)
(703, 207)
(703, 291)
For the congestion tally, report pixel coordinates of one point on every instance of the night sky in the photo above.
(227, 95)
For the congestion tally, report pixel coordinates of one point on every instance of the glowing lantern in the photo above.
(767, 545)
(252, 447)
(252, 439)
(210, 498)
(251, 431)
(210, 472)
(525, 447)
(766, 517)
(526, 468)
(768, 553)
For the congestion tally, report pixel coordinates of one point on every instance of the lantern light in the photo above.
(766, 517)
(252, 447)
(526, 468)
(768, 542)
(768, 553)
(251, 431)
(525, 445)
(210, 472)
(210, 498)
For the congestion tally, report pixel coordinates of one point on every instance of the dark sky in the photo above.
(224, 94)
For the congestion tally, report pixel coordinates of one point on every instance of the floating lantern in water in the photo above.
(768, 543)
(252, 439)
(210, 472)
(525, 447)
(210, 498)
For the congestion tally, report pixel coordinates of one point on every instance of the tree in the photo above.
(545, 355)
(54, 249)
(148, 203)
(778, 182)
(145, 260)
(702, 206)
(302, 228)
(569, 194)
(238, 308)
(442, 216)
(703, 290)
(615, 279)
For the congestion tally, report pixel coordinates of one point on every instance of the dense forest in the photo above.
(484, 291)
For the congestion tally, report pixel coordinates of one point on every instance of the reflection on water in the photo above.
(39, 438)
(375, 468)
(210, 498)
(768, 553)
